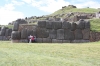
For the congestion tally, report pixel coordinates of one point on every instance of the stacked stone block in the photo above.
(5, 33)
(60, 32)
(53, 32)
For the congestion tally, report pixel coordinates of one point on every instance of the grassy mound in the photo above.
(66, 10)
(95, 25)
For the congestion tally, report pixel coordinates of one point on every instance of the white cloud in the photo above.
(47, 5)
(7, 14)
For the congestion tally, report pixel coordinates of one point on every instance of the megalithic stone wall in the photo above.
(53, 32)
(5, 33)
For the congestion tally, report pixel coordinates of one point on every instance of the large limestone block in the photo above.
(3, 31)
(66, 25)
(87, 24)
(78, 34)
(66, 41)
(24, 34)
(29, 32)
(47, 40)
(16, 26)
(52, 34)
(81, 24)
(42, 24)
(8, 32)
(42, 33)
(80, 41)
(49, 24)
(73, 26)
(56, 41)
(86, 34)
(57, 25)
(16, 35)
(69, 35)
(60, 34)
(39, 40)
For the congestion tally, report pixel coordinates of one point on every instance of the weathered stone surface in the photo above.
(97, 36)
(80, 41)
(52, 34)
(39, 40)
(47, 40)
(80, 24)
(49, 25)
(29, 32)
(24, 41)
(66, 41)
(60, 34)
(42, 33)
(87, 24)
(73, 26)
(34, 33)
(16, 26)
(57, 25)
(16, 35)
(56, 41)
(8, 32)
(69, 35)
(86, 34)
(78, 34)
(24, 34)
(92, 36)
(42, 24)
(3, 31)
(57, 19)
(1, 37)
(0, 28)
(5, 38)
(66, 25)
(21, 21)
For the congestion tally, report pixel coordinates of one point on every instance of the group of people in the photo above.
(31, 39)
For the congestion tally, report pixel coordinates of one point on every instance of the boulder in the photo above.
(78, 34)
(49, 24)
(86, 34)
(66, 25)
(56, 41)
(16, 35)
(57, 25)
(60, 34)
(80, 24)
(47, 40)
(73, 26)
(24, 34)
(8, 32)
(3, 31)
(52, 34)
(16, 26)
(87, 24)
(42, 24)
(39, 40)
(69, 35)
(66, 41)
(42, 33)
(80, 41)
(29, 32)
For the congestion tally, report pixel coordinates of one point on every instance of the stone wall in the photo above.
(5, 33)
(53, 32)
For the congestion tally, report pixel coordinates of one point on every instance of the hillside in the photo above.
(67, 10)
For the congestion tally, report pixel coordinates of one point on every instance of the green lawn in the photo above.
(49, 54)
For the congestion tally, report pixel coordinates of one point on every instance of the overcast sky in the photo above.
(11, 10)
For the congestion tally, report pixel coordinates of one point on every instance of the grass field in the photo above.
(46, 54)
